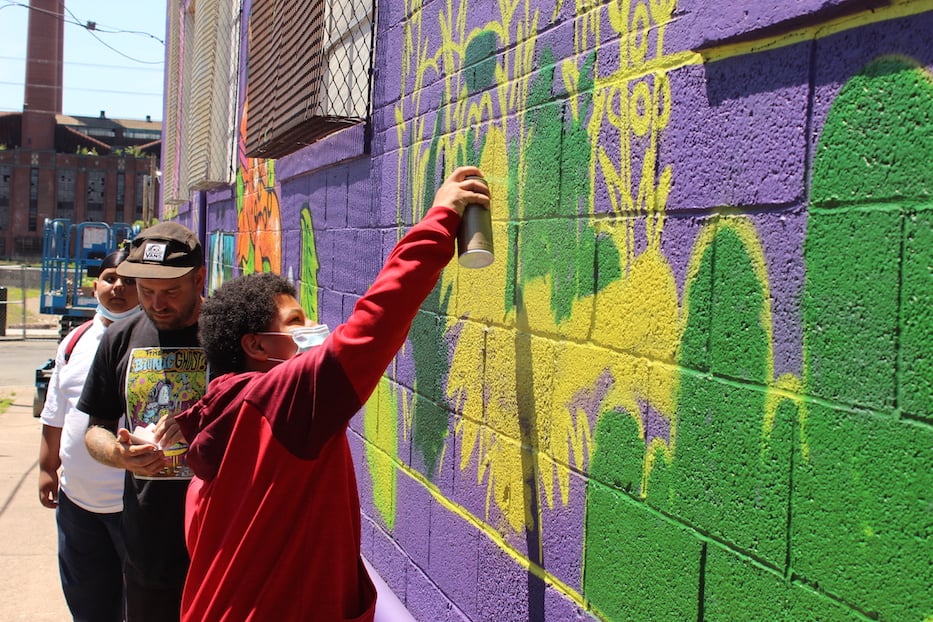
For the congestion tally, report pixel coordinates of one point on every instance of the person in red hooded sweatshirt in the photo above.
(272, 518)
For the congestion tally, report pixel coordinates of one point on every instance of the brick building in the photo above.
(58, 166)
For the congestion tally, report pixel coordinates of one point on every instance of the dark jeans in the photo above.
(145, 603)
(90, 561)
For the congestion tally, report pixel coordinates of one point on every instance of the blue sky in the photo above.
(116, 67)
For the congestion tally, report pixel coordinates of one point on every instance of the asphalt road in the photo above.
(19, 359)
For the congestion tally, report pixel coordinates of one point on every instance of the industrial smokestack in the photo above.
(42, 97)
(44, 57)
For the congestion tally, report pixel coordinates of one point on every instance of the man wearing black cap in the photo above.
(148, 369)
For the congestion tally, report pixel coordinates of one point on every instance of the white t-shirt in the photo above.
(91, 485)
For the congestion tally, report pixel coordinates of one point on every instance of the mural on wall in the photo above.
(640, 397)
(259, 223)
(525, 462)
(660, 390)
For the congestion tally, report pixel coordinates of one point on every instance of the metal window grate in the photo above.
(309, 72)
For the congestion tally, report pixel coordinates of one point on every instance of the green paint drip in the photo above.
(618, 452)
(429, 352)
(738, 341)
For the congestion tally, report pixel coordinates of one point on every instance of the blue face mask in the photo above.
(113, 317)
(305, 337)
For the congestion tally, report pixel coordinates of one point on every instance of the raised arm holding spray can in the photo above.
(273, 513)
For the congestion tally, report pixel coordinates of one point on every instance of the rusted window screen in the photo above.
(174, 184)
(211, 96)
(198, 134)
(309, 72)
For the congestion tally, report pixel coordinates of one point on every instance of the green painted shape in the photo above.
(694, 351)
(426, 337)
(736, 588)
(240, 189)
(739, 345)
(861, 500)
(916, 338)
(878, 136)
(563, 250)
(876, 144)
(429, 352)
(309, 264)
(850, 306)
(430, 422)
(480, 61)
(608, 264)
(575, 181)
(618, 453)
(660, 485)
(730, 477)
(862, 508)
(553, 240)
(637, 564)
(250, 260)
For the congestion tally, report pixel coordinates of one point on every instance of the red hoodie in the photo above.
(272, 520)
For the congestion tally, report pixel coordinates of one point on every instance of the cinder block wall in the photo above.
(697, 382)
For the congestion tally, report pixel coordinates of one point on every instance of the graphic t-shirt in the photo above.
(162, 381)
(145, 373)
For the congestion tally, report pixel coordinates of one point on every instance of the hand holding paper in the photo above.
(139, 453)
(144, 436)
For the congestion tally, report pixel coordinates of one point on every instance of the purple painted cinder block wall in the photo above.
(695, 384)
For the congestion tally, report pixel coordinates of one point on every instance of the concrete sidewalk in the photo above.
(29, 584)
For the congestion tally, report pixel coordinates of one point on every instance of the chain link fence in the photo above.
(19, 306)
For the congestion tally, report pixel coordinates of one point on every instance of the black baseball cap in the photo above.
(166, 250)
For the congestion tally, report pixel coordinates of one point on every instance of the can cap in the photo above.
(476, 258)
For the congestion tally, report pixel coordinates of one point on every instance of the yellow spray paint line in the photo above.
(897, 9)
(685, 58)
(493, 535)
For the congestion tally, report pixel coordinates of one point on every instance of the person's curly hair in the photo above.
(239, 307)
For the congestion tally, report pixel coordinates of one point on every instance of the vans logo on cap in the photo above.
(155, 251)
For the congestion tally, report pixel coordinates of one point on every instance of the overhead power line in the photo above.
(87, 90)
(92, 31)
(93, 28)
(22, 59)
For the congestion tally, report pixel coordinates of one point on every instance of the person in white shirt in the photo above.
(87, 495)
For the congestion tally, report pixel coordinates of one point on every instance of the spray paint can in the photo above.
(474, 237)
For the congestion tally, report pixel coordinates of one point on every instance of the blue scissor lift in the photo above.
(71, 258)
